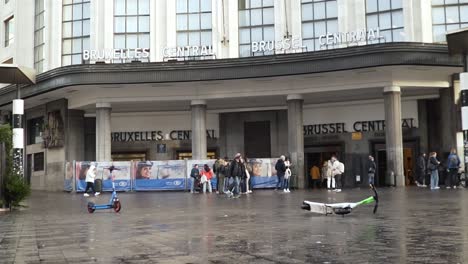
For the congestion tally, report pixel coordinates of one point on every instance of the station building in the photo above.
(166, 79)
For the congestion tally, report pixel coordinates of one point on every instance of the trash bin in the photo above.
(98, 185)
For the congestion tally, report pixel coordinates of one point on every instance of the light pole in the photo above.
(458, 45)
(14, 74)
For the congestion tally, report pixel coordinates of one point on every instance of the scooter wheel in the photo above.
(117, 206)
(90, 208)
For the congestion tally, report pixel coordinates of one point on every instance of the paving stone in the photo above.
(412, 225)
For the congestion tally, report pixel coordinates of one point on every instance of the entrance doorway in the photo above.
(317, 155)
(257, 143)
(409, 159)
(186, 155)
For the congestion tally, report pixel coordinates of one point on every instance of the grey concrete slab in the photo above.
(412, 226)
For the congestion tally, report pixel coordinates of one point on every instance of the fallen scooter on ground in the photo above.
(340, 208)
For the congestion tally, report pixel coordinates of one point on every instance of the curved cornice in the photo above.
(390, 54)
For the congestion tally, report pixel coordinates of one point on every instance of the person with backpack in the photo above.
(337, 169)
(280, 172)
(433, 167)
(453, 165)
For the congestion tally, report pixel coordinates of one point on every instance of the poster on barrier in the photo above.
(68, 177)
(159, 175)
(200, 163)
(121, 174)
(262, 173)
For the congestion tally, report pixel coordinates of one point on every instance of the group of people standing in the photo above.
(283, 172)
(432, 166)
(331, 172)
(233, 177)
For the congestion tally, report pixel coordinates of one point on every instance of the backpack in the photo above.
(453, 161)
(341, 168)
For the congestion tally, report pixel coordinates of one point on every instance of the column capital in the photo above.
(198, 102)
(392, 89)
(103, 105)
(294, 97)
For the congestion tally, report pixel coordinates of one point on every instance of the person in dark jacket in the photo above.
(195, 175)
(236, 171)
(433, 167)
(453, 164)
(421, 170)
(371, 170)
(280, 168)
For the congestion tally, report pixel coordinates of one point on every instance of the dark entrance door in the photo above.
(257, 143)
(409, 162)
(317, 155)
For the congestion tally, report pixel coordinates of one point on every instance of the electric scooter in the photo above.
(114, 202)
(340, 208)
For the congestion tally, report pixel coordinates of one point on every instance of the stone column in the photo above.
(393, 136)
(296, 138)
(199, 144)
(103, 132)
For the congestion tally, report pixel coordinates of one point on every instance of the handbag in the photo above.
(203, 179)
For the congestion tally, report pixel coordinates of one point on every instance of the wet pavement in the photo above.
(412, 225)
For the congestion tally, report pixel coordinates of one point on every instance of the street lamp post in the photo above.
(458, 45)
(14, 74)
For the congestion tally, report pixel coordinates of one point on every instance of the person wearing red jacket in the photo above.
(207, 173)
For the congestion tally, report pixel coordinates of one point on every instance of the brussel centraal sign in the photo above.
(357, 36)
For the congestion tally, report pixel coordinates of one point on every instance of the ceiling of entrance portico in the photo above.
(363, 84)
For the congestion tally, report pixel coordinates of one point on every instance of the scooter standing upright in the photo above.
(114, 202)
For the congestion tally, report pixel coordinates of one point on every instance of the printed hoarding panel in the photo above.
(159, 175)
(121, 174)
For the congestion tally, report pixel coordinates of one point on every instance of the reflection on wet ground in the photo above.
(412, 226)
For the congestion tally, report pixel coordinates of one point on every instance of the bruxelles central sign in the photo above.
(156, 135)
(115, 54)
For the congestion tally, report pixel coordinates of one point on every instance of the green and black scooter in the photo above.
(340, 208)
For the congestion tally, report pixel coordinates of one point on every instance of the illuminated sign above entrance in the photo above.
(361, 35)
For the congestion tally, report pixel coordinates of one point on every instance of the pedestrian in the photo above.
(90, 176)
(236, 171)
(195, 175)
(337, 170)
(372, 167)
(287, 175)
(325, 173)
(433, 167)
(206, 176)
(421, 170)
(315, 175)
(221, 175)
(453, 165)
(216, 169)
(330, 179)
(247, 176)
(280, 171)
